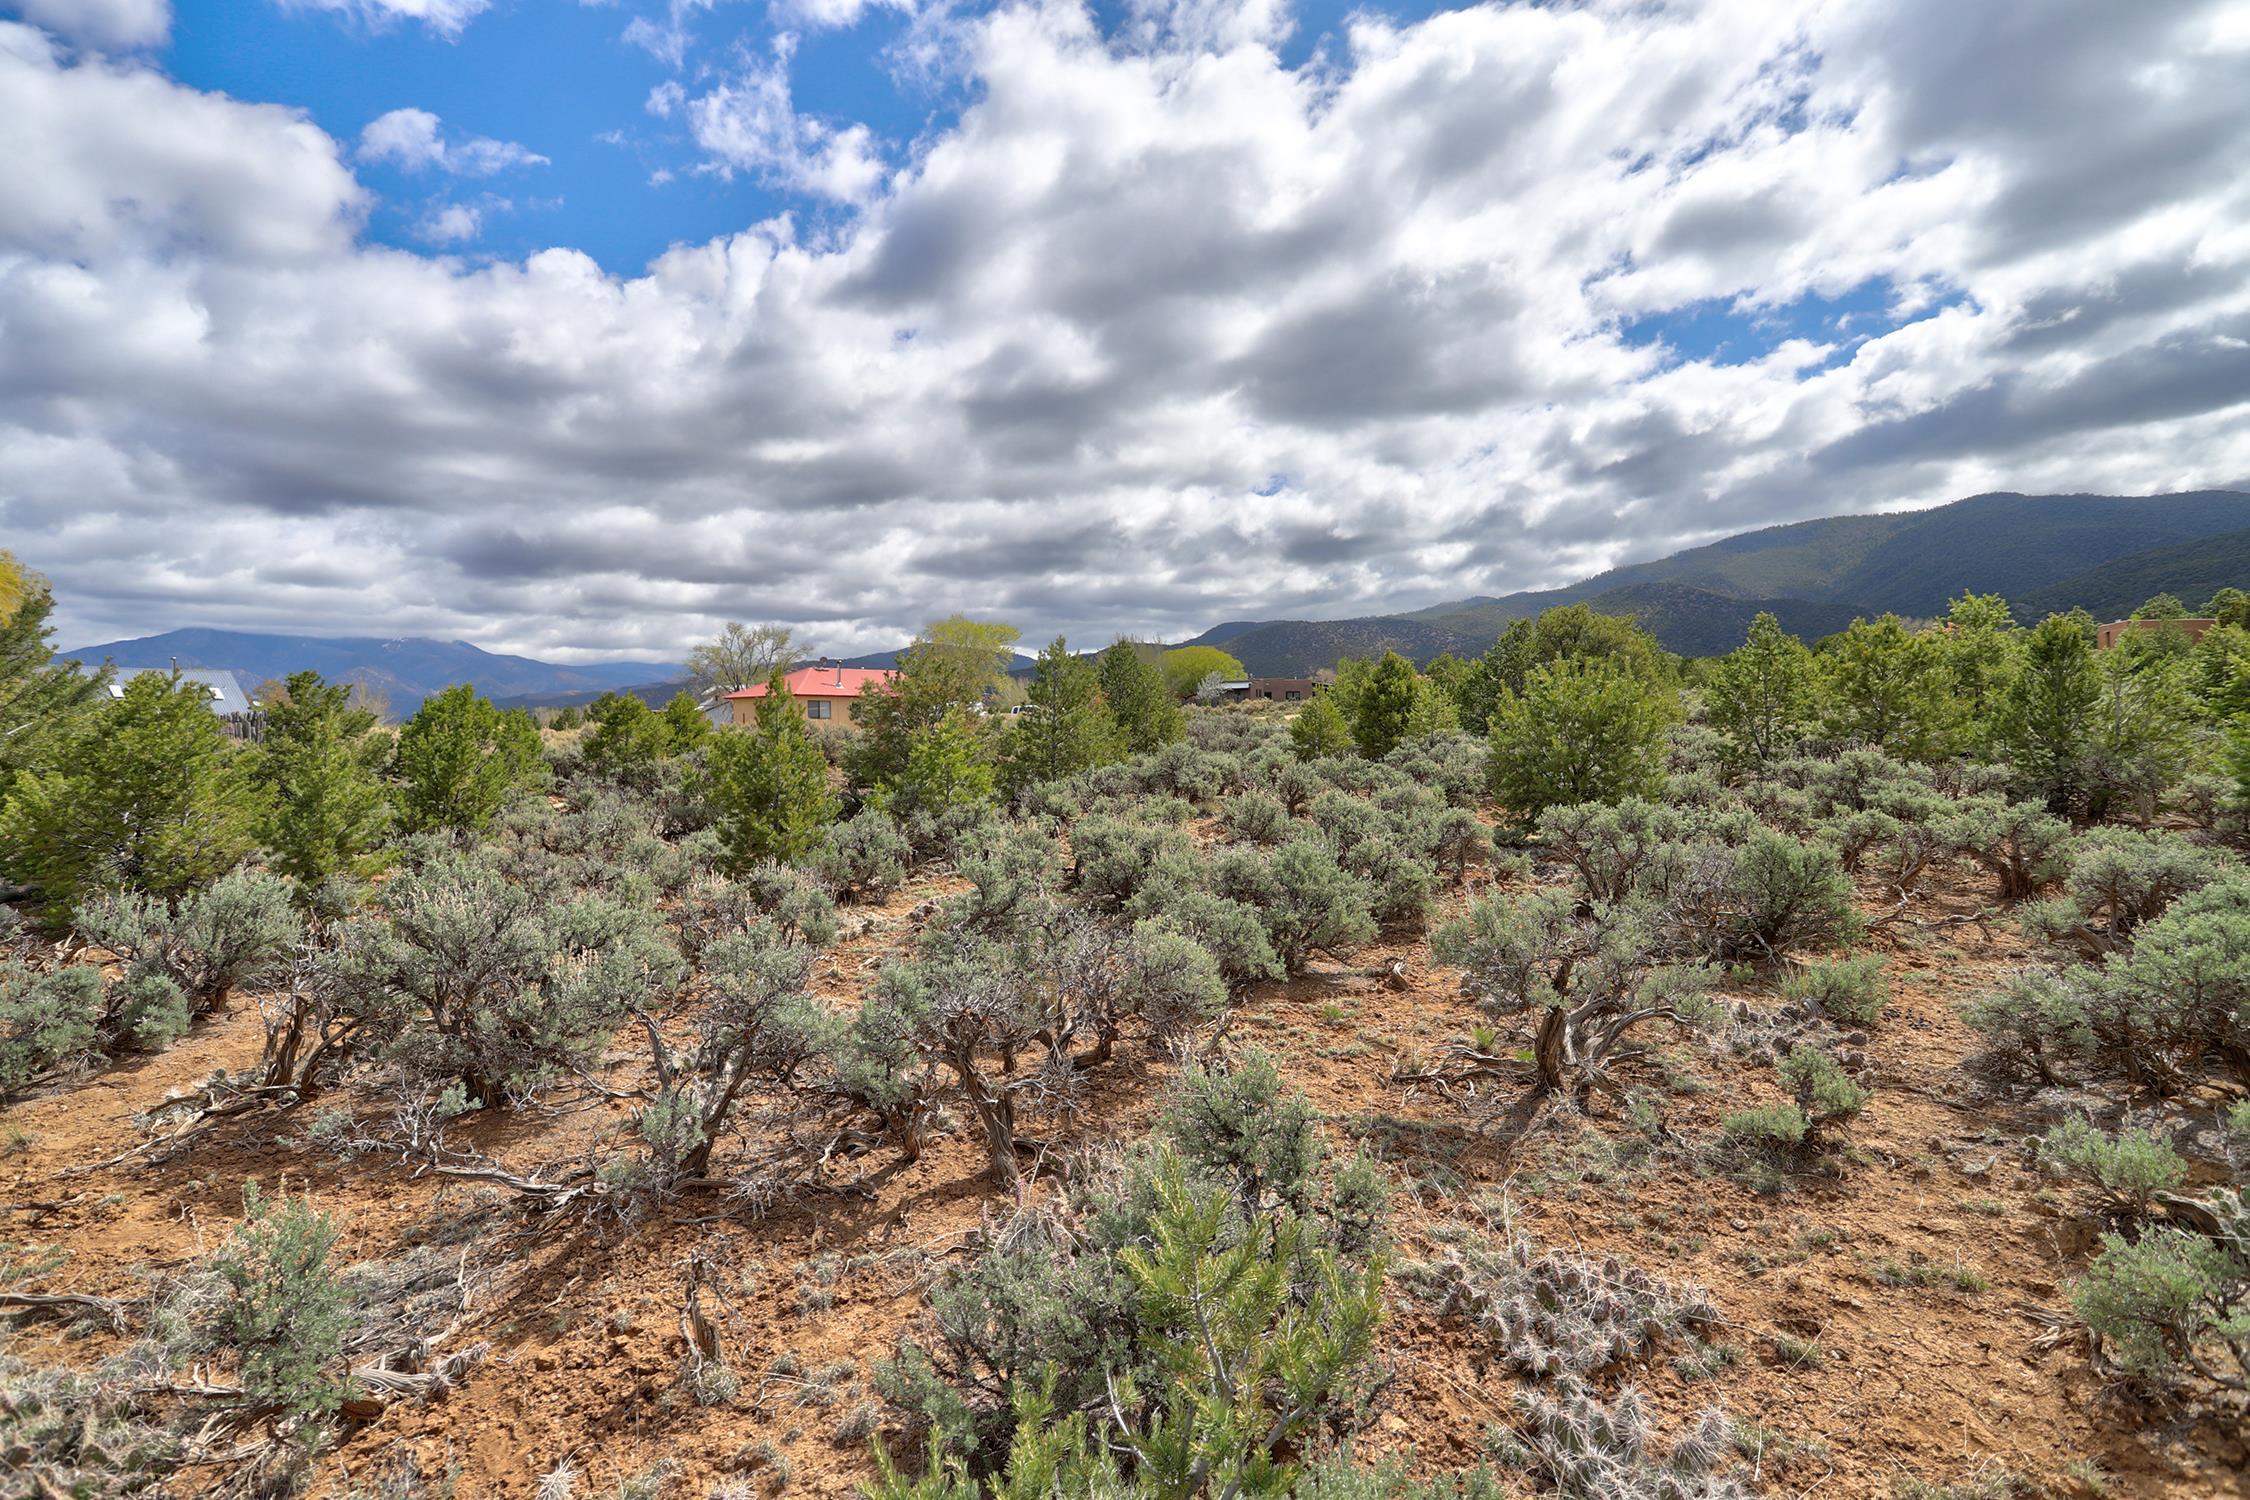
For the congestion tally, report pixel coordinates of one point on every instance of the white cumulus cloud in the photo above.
(114, 24)
(415, 140)
(1160, 331)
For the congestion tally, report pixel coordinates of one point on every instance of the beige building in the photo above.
(825, 695)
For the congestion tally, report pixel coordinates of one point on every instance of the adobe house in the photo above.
(2106, 636)
(1269, 689)
(825, 693)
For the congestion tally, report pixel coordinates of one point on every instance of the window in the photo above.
(1292, 695)
(818, 709)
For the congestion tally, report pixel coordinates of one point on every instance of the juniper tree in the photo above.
(459, 760)
(1582, 730)
(627, 739)
(1066, 726)
(1885, 686)
(42, 700)
(145, 795)
(1134, 687)
(1384, 705)
(769, 786)
(1761, 695)
(328, 813)
(1319, 730)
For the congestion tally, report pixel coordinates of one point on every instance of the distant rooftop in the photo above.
(227, 694)
(822, 682)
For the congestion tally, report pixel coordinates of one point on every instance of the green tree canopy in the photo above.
(2044, 720)
(769, 786)
(144, 795)
(2162, 607)
(1144, 705)
(1584, 729)
(1565, 633)
(685, 724)
(460, 759)
(627, 737)
(328, 813)
(1382, 706)
(1319, 729)
(952, 664)
(42, 700)
(1066, 726)
(1187, 666)
(1886, 686)
(1761, 693)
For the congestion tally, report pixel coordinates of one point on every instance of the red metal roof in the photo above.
(823, 682)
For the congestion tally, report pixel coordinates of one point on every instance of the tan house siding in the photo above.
(2106, 636)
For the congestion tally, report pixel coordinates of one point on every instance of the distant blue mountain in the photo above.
(404, 671)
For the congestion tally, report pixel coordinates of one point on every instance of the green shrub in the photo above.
(147, 1010)
(2019, 843)
(288, 1307)
(2035, 1023)
(2172, 1301)
(45, 1019)
(1306, 899)
(2132, 1167)
(1581, 730)
(863, 858)
(1768, 1126)
(460, 760)
(1254, 817)
(1825, 1092)
(1610, 847)
(1770, 895)
(144, 795)
(1242, 1126)
(1849, 989)
(232, 933)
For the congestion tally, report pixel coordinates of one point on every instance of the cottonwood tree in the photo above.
(459, 760)
(739, 656)
(954, 663)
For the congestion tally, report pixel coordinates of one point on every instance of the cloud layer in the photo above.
(1160, 331)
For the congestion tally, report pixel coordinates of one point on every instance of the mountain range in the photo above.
(403, 671)
(2043, 553)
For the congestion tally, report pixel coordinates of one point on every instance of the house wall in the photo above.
(2109, 635)
(1279, 689)
(839, 710)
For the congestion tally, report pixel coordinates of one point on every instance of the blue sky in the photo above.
(415, 317)
(560, 79)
